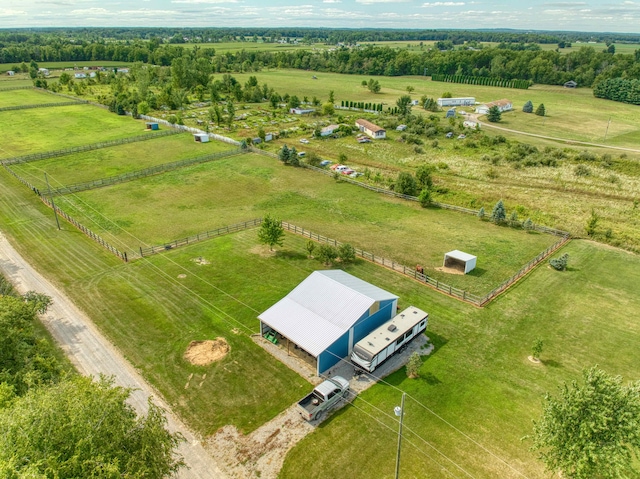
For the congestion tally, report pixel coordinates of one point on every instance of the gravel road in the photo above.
(93, 354)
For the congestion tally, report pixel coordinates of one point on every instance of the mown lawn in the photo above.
(27, 97)
(39, 130)
(479, 379)
(116, 160)
(181, 203)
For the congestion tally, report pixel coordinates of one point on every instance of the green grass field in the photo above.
(26, 97)
(479, 379)
(116, 160)
(39, 130)
(158, 209)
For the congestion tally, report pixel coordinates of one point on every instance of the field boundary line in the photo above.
(43, 105)
(82, 148)
(135, 175)
(11, 88)
(47, 201)
(151, 250)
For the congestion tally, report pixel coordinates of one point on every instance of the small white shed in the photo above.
(460, 260)
(201, 137)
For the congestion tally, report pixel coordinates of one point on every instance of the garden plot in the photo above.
(174, 205)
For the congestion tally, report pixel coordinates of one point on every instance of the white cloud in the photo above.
(331, 1)
(443, 4)
(6, 12)
(371, 2)
(204, 1)
(91, 11)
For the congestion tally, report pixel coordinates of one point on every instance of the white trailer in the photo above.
(374, 349)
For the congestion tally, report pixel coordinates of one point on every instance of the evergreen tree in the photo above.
(499, 214)
(481, 213)
(528, 107)
(284, 154)
(540, 111)
(494, 115)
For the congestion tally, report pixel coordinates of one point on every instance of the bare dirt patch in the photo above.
(182, 276)
(201, 261)
(447, 270)
(202, 353)
(262, 250)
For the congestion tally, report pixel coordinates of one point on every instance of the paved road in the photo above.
(93, 354)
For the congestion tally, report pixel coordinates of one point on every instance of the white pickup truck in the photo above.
(324, 396)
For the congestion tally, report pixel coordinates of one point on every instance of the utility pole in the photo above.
(607, 130)
(399, 411)
(55, 213)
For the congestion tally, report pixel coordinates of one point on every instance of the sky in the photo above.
(589, 15)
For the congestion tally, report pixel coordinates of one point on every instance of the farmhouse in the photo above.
(466, 101)
(459, 260)
(327, 314)
(503, 105)
(328, 130)
(371, 129)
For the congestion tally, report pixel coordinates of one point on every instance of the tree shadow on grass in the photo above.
(292, 255)
(551, 363)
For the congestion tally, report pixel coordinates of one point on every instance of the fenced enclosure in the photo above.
(200, 237)
(190, 129)
(79, 149)
(43, 105)
(135, 175)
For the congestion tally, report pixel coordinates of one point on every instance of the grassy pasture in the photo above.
(116, 160)
(39, 130)
(479, 378)
(181, 203)
(26, 97)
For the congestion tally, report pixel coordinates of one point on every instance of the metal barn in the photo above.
(327, 314)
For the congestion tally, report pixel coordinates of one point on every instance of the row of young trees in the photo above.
(362, 105)
(474, 80)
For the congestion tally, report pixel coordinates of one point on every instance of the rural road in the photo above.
(93, 354)
(474, 117)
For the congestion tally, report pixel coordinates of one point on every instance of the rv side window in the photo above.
(409, 333)
(422, 324)
(400, 339)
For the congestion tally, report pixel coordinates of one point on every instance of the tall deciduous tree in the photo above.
(271, 232)
(592, 430)
(404, 105)
(80, 428)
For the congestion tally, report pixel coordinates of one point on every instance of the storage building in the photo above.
(461, 261)
(327, 314)
(152, 125)
(201, 137)
(466, 101)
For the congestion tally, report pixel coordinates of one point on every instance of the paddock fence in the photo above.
(225, 230)
(11, 88)
(49, 202)
(135, 175)
(190, 129)
(82, 148)
(43, 105)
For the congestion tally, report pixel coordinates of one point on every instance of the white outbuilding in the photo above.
(459, 260)
(201, 137)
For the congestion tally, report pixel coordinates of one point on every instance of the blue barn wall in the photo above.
(340, 348)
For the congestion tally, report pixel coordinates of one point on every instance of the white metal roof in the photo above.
(392, 330)
(322, 308)
(460, 255)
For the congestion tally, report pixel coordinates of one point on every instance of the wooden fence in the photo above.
(215, 136)
(43, 105)
(17, 88)
(95, 237)
(134, 175)
(93, 146)
(200, 237)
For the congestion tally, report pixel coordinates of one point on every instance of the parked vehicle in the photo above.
(304, 141)
(301, 154)
(323, 397)
(449, 135)
(347, 172)
(371, 351)
(336, 166)
(461, 137)
(325, 162)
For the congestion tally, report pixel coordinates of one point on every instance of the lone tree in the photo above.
(499, 214)
(404, 105)
(591, 430)
(536, 349)
(592, 223)
(494, 115)
(406, 184)
(284, 154)
(271, 232)
(528, 107)
(540, 111)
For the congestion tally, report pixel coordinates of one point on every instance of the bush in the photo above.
(347, 253)
(327, 254)
(581, 170)
(481, 213)
(560, 263)
(527, 225)
(425, 197)
(406, 184)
